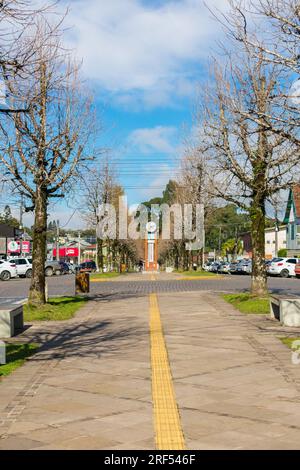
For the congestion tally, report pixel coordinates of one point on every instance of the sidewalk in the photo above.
(94, 385)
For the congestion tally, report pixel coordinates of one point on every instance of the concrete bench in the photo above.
(286, 309)
(11, 320)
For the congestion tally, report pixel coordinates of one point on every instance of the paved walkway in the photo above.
(215, 379)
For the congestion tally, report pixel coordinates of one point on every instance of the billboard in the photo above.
(71, 252)
(15, 247)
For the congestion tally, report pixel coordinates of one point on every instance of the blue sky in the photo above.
(144, 60)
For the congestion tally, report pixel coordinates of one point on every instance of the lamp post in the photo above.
(79, 247)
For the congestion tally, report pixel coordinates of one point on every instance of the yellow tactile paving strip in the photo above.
(168, 430)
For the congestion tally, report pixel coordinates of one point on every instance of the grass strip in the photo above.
(57, 309)
(16, 355)
(249, 304)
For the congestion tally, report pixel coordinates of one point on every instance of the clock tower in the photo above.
(151, 248)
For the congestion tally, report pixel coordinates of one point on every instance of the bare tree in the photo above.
(98, 188)
(271, 26)
(245, 127)
(20, 43)
(44, 148)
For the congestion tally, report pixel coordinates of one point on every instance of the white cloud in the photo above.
(157, 139)
(142, 50)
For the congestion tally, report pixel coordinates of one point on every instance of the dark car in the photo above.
(64, 267)
(88, 267)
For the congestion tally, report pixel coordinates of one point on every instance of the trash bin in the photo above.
(82, 283)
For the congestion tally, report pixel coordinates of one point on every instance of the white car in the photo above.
(7, 270)
(24, 266)
(284, 267)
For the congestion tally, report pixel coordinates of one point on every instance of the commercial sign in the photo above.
(14, 247)
(72, 252)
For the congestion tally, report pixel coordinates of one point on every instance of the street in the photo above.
(139, 284)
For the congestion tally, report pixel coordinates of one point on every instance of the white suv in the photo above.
(7, 270)
(284, 267)
(24, 266)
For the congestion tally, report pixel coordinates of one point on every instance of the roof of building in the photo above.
(294, 198)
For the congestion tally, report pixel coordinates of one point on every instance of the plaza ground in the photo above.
(154, 364)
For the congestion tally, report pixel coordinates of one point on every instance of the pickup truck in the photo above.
(24, 267)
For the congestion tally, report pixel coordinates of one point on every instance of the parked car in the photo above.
(72, 267)
(53, 267)
(284, 267)
(215, 267)
(233, 266)
(245, 267)
(24, 267)
(224, 268)
(297, 270)
(87, 267)
(64, 267)
(7, 270)
(207, 266)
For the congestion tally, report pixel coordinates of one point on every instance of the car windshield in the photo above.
(276, 260)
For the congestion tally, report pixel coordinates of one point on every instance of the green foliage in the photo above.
(7, 218)
(231, 247)
(225, 223)
(282, 253)
(105, 275)
(289, 341)
(247, 303)
(57, 309)
(16, 355)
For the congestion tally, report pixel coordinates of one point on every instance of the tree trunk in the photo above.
(38, 283)
(100, 254)
(259, 285)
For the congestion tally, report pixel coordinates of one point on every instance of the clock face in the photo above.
(151, 227)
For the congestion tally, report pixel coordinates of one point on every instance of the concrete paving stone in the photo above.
(234, 382)
(83, 442)
(22, 427)
(19, 443)
(147, 444)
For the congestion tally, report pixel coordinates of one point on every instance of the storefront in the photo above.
(11, 243)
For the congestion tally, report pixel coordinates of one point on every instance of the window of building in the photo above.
(292, 232)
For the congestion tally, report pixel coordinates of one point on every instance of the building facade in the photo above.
(292, 220)
(271, 247)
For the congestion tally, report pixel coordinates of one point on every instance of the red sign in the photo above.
(72, 252)
(25, 247)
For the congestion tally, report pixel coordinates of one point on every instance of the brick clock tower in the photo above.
(151, 248)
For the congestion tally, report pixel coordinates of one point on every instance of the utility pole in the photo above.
(276, 202)
(79, 247)
(57, 240)
(220, 239)
(276, 231)
(21, 221)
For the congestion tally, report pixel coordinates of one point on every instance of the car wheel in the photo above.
(5, 276)
(298, 276)
(29, 273)
(284, 273)
(49, 272)
(58, 272)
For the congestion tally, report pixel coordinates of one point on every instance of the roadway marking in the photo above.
(168, 430)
